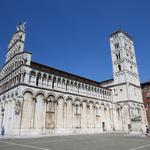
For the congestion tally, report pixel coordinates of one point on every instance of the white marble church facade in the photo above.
(37, 99)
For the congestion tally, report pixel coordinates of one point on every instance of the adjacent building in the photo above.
(37, 99)
(146, 98)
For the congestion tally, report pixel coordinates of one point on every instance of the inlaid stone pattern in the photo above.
(37, 99)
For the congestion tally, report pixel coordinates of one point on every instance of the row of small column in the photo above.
(10, 82)
(63, 84)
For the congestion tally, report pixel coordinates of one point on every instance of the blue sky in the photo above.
(72, 35)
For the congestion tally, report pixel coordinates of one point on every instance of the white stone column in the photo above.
(6, 116)
(88, 115)
(111, 117)
(44, 112)
(40, 80)
(39, 112)
(63, 84)
(21, 78)
(56, 113)
(33, 111)
(69, 113)
(45, 81)
(74, 116)
(97, 118)
(60, 113)
(108, 118)
(68, 85)
(91, 115)
(65, 115)
(102, 116)
(94, 116)
(122, 120)
(27, 76)
(84, 115)
(11, 112)
(4, 112)
(32, 79)
(49, 82)
(27, 111)
(0, 114)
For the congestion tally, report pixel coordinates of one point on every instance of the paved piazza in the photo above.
(78, 142)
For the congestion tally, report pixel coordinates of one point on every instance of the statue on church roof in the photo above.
(21, 26)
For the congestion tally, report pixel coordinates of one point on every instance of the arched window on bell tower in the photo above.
(119, 67)
(117, 56)
(131, 68)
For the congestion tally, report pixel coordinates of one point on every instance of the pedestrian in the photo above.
(3, 131)
(147, 130)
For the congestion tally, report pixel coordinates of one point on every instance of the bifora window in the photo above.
(119, 67)
(116, 45)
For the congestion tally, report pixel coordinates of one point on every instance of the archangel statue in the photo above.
(17, 108)
(21, 26)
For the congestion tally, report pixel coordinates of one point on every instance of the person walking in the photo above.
(3, 131)
(147, 130)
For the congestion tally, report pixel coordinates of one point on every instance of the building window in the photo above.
(117, 56)
(118, 112)
(53, 82)
(115, 92)
(116, 45)
(67, 83)
(119, 67)
(131, 68)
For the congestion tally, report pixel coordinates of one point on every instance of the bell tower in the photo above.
(125, 71)
(128, 109)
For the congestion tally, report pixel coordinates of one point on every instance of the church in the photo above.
(38, 99)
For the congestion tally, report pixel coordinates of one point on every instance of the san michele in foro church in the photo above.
(38, 99)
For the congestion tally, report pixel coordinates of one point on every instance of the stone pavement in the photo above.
(77, 142)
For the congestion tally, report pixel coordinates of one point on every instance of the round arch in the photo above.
(28, 90)
(40, 92)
